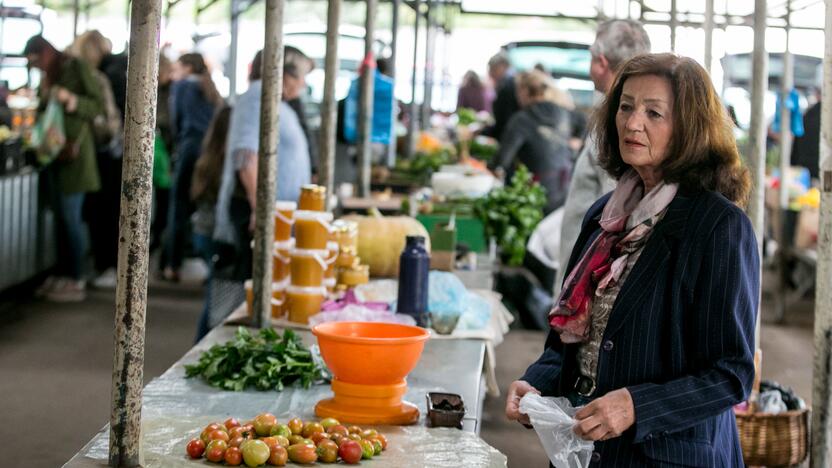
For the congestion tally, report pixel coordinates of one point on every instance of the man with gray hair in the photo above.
(616, 41)
(505, 103)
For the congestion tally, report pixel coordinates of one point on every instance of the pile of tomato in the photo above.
(264, 440)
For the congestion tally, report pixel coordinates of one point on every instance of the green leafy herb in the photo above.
(466, 116)
(511, 213)
(266, 361)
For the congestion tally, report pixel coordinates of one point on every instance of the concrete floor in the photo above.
(55, 365)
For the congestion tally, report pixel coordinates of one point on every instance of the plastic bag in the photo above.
(553, 420)
(357, 313)
(448, 297)
(48, 134)
(771, 401)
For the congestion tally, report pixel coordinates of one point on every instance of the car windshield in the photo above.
(556, 60)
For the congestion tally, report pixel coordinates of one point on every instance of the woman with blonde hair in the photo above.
(538, 136)
(102, 207)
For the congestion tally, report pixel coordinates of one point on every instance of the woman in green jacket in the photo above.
(73, 84)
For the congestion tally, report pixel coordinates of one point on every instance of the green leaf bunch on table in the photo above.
(511, 213)
(266, 361)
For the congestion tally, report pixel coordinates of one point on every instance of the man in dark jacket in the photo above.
(505, 104)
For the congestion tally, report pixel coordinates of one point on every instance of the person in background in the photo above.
(305, 65)
(193, 99)
(538, 136)
(235, 207)
(652, 338)
(205, 189)
(505, 104)
(162, 149)
(72, 83)
(473, 94)
(102, 208)
(616, 41)
(806, 148)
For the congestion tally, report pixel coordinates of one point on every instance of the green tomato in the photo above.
(281, 430)
(255, 452)
(367, 449)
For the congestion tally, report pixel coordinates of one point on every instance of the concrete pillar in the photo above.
(757, 131)
(365, 109)
(328, 105)
(822, 386)
(786, 139)
(267, 162)
(232, 52)
(414, 109)
(674, 21)
(430, 69)
(134, 231)
(709, 34)
(394, 44)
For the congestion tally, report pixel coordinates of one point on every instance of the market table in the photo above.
(175, 409)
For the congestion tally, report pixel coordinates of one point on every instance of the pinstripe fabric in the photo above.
(681, 337)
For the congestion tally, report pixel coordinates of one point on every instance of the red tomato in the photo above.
(350, 451)
(318, 437)
(208, 430)
(337, 429)
(236, 442)
(233, 456)
(195, 448)
(231, 423)
(272, 442)
(216, 450)
(218, 435)
(279, 456)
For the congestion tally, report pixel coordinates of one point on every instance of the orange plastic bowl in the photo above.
(370, 353)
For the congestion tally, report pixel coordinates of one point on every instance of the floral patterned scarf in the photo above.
(626, 222)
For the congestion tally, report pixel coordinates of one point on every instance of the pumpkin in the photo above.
(381, 240)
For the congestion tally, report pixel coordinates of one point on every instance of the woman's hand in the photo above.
(607, 417)
(65, 97)
(516, 390)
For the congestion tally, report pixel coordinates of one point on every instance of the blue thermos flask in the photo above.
(414, 265)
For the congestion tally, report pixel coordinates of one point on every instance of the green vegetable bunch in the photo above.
(424, 164)
(265, 361)
(511, 213)
(466, 116)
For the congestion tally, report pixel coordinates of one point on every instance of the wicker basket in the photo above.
(774, 439)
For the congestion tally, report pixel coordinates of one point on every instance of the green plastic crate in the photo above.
(469, 230)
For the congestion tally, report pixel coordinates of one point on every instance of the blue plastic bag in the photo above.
(447, 296)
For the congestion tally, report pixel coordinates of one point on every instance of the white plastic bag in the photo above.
(553, 420)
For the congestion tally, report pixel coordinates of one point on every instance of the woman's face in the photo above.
(179, 71)
(645, 124)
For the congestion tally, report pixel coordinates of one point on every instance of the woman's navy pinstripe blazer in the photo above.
(680, 337)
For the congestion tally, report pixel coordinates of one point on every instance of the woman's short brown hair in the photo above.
(703, 153)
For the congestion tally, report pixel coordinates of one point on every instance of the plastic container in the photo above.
(312, 229)
(307, 267)
(445, 409)
(312, 198)
(354, 276)
(345, 233)
(347, 258)
(329, 284)
(414, 266)
(279, 299)
(283, 218)
(332, 256)
(304, 302)
(281, 260)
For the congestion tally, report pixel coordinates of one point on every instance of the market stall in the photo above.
(175, 409)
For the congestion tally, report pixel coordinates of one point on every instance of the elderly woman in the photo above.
(653, 333)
